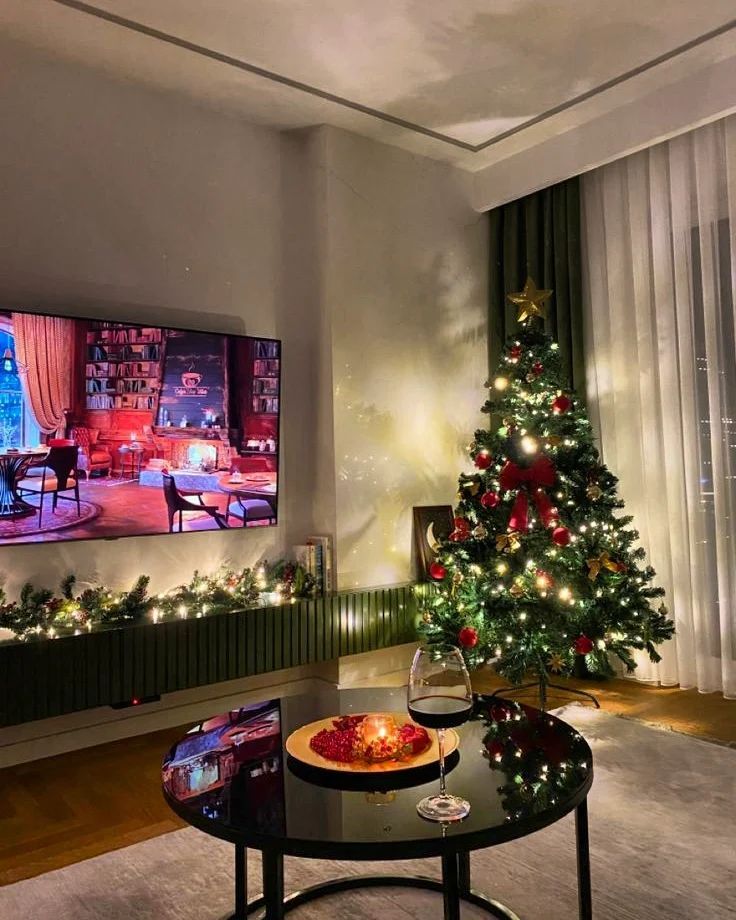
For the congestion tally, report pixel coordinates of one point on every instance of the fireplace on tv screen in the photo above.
(114, 429)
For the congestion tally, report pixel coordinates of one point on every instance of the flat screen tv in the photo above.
(112, 429)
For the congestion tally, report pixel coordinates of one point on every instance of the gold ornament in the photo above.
(556, 663)
(594, 491)
(552, 440)
(471, 486)
(603, 561)
(530, 301)
(508, 542)
(516, 590)
(457, 578)
(480, 532)
(427, 617)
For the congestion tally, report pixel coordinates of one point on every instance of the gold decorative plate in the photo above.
(297, 744)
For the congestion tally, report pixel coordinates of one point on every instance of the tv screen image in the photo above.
(118, 429)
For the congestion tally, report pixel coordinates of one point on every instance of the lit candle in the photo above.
(379, 737)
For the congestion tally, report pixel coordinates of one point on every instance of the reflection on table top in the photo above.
(521, 770)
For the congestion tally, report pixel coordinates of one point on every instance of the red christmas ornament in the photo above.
(583, 645)
(561, 404)
(515, 352)
(437, 571)
(537, 368)
(468, 637)
(490, 499)
(561, 536)
(483, 460)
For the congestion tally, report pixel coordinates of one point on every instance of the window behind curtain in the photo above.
(18, 427)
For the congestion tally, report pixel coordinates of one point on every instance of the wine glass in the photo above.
(440, 696)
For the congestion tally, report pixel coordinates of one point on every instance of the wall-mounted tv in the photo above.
(112, 429)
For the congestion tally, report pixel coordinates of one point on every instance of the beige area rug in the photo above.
(663, 845)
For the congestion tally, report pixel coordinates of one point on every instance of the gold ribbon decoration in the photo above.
(603, 561)
(508, 542)
(530, 301)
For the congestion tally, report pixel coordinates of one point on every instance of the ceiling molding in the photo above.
(228, 60)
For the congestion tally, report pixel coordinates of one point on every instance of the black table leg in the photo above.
(585, 901)
(463, 862)
(451, 886)
(273, 884)
(241, 883)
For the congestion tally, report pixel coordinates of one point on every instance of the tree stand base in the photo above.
(542, 687)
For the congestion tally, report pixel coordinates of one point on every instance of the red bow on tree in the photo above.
(535, 478)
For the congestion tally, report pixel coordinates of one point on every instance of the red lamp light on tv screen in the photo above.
(123, 429)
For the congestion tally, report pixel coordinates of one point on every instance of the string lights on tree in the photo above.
(541, 574)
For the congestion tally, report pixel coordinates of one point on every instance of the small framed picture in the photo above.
(432, 525)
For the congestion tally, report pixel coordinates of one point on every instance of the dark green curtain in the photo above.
(539, 236)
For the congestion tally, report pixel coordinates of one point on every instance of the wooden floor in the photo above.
(65, 809)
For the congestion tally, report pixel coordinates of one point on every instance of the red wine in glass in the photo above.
(441, 711)
(439, 696)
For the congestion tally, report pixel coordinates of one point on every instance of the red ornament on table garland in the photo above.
(561, 536)
(437, 571)
(537, 368)
(483, 460)
(583, 645)
(490, 499)
(561, 404)
(468, 637)
(515, 352)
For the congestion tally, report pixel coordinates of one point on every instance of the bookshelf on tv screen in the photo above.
(117, 429)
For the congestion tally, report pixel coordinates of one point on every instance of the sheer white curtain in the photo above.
(661, 377)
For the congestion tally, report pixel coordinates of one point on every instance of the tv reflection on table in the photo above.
(232, 764)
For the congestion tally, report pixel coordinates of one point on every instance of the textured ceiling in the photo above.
(458, 75)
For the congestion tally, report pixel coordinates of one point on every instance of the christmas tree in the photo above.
(540, 575)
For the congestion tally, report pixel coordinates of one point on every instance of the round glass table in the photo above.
(231, 777)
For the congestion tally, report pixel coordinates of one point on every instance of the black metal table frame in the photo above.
(455, 884)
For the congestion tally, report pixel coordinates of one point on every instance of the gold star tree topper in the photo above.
(531, 302)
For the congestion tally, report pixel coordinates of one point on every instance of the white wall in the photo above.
(367, 261)
(407, 290)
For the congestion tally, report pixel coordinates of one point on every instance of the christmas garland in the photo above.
(40, 613)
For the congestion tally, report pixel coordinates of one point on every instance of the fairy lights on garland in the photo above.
(40, 613)
(540, 574)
